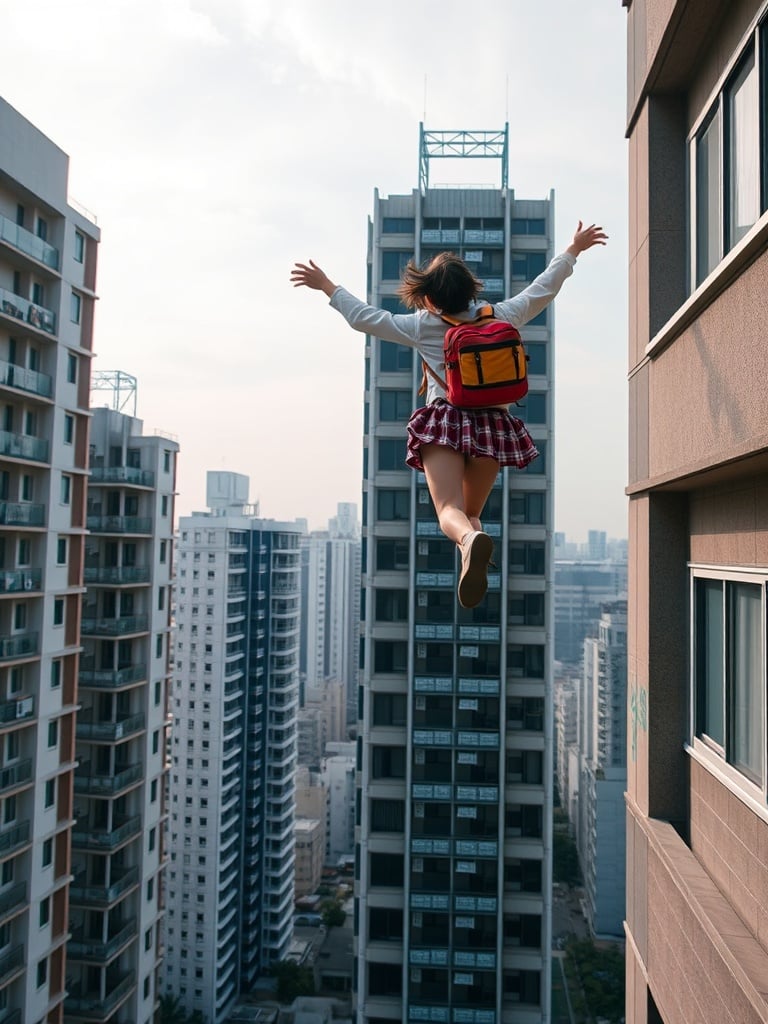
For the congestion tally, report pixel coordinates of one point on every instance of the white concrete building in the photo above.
(118, 849)
(48, 256)
(235, 699)
(455, 761)
(339, 779)
(330, 630)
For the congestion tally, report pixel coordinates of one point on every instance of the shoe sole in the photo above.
(474, 579)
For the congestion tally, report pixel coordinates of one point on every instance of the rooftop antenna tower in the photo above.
(463, 144)
(122, 387)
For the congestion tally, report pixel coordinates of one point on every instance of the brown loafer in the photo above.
(476, 550)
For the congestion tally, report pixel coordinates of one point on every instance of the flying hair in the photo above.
(446, 281)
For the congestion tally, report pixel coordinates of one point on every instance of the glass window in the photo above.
(395, 405)
(398, 225)
(390, 453)
(75, 308)
(730, 671)
(743, 147)
(394, 358)
(69, 428)
(393, 262)
(708, 189)
(393, 504)
(79, 252)
(71, 369)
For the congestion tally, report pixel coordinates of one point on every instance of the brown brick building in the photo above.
(697, 807)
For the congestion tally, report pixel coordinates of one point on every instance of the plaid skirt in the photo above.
(478, 433)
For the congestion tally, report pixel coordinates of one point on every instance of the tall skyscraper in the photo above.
(118, 843)
(603, 771)
(697, 792)
(48, 253)
(455, 749)
(330, 621)
(235, 699)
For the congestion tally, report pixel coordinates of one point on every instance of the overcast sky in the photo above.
(218, 141)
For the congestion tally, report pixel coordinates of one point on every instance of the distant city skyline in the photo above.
(216, 152)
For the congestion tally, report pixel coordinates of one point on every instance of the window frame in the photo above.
(720, 758)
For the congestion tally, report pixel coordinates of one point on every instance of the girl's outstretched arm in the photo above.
(312, 277)
(585, 238)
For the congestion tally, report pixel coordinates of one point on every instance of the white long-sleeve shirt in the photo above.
(425, 331)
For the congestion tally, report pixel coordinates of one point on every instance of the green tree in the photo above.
(565, 859)
(292, 980)
(333, 913)
(171, 1010)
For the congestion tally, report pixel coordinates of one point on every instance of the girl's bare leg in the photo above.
(479, 477)
(444, 469)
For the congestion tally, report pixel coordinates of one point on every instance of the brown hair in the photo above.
(446, 281)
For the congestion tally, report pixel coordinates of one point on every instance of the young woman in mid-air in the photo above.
(459, 450)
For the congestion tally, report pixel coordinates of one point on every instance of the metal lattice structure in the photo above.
(480, 145)
(122, 386)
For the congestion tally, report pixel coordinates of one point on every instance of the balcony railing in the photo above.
(23, 240)
(11, 963)
(103, 839)
(110, 732)
(111, 679)
(114, 575)
(21, 513)
(122, 475)
(90, 1006)
(13, 898)
(20, 377)
(15, 775)
(14, 581)
(119, 524)
(106, 785)
(22, 446)
(18, 646)
(17, 710)
(22, 309)
(101, 895)
(115, 627)
(12, 838)
(81, 947)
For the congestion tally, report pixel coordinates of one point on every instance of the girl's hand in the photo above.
(312, 277)
(585, 238)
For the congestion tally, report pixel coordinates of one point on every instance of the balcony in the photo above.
(122, 626)
(80, 892)
(106, 839)
(109, 732)
(14, 581)
(11, 964)
(35, 383)
(119, 524)
(122, 475)
(22, 309)
(21, 513)
(22, 646)
(94, 950)
(107, 785)
(89, 1005)
(17, 710)
(116, 575)
(11, 839)
(22, 446)
(15, 775)
(111, 679)
(13, 899)
(20, 238)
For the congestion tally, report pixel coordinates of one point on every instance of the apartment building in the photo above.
(453, 869)
(697, 824)
(48, 254)
(232, 791)
(118, 841)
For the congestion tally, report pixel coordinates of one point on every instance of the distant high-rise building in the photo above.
(582, 586)
(48, 255)
(603, 771)
(697, 790)
(330, 630)
(118, 842)
(235, 699)
(566, 733)
(455, 758)
(597, 542)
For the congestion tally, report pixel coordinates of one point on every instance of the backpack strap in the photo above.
(427, 369)
(483, 313)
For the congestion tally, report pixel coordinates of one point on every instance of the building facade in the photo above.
(455, 745)
(232, 791)
(582, 586)
(697, 824)
(118, 842)
(48, 254)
